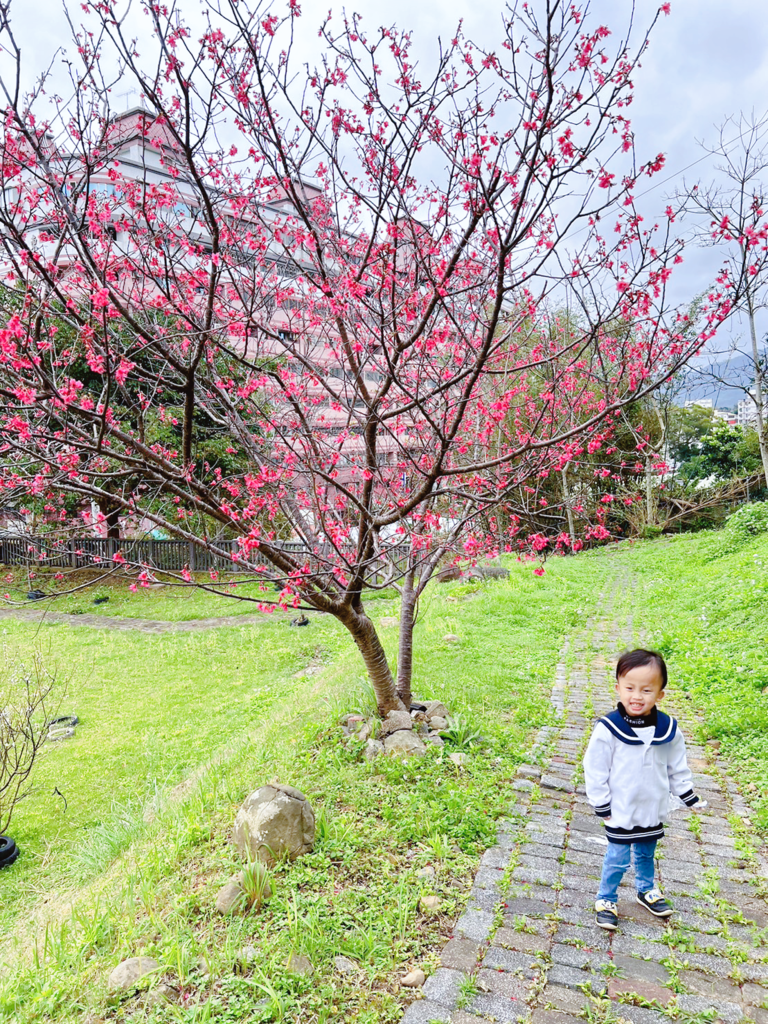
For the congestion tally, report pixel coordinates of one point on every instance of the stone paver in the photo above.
(527, 938)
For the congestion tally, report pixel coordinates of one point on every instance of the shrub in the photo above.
(27, 704)
(749, 520)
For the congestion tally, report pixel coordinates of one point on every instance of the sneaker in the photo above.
(606, 916)
(654, 901)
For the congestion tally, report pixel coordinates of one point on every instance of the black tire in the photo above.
(7, 861)
(9, 851)
(63, 722)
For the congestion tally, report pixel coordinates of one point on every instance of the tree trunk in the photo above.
(364, 634)
(648, 491)
(761, 438)
(568, 509)
(111, 515)
(405, 642)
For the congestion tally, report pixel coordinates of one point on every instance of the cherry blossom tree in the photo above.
(319, 309)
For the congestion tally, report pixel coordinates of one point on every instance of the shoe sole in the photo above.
(606, 926)
(663, 913)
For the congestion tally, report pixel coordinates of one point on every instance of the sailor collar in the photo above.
(666, 728)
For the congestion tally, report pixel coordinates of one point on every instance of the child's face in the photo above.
(640, 689)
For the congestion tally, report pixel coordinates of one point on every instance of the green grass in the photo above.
(126, 870)
(142, 872)
(703, 599)
(168, 600)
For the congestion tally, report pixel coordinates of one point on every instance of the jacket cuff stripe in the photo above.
(690, 799)
(603, 812)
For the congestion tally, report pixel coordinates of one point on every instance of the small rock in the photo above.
(427, 872)
(458, 759)
(429, 904)
(163, 993)
(715, 744)
(437, 723)
(404, 744)
(452, 599)
(299, 965)
(395, 722)
(414, 979)
(344, 965)
(125, 976)
(436, 707)
(249, 952)
(450, 638)
(389, 620)
(436, 739)
(231, 896)
(373, 748)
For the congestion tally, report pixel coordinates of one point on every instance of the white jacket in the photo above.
(630, 781)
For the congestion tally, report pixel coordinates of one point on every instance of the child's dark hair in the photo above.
(638, 658)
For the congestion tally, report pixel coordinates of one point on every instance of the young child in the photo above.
(635, 759)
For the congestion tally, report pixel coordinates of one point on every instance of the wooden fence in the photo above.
(172, 555)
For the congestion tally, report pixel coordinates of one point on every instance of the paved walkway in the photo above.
(526, 947)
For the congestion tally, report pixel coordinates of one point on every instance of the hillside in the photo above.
(177, 729)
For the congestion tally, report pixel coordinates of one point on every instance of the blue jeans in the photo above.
(616, 862)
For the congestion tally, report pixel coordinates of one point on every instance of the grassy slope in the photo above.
(706, 608)
(171, 602)
(153, 707)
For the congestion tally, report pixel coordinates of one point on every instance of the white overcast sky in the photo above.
(707, 60)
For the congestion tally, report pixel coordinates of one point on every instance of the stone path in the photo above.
(526, 948)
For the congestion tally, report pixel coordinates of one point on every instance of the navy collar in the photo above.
(639, 721)
(666, 728)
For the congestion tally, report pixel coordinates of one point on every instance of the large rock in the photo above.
(404, 744)
(450, 572)
(274, 822)
(394, 722)
(126, 976)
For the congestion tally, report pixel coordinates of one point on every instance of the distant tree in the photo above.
(733, 211)
(354, 292)
(728, 451)
(687, 427)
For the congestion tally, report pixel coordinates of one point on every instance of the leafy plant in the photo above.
(461, 732)
(256, 883)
